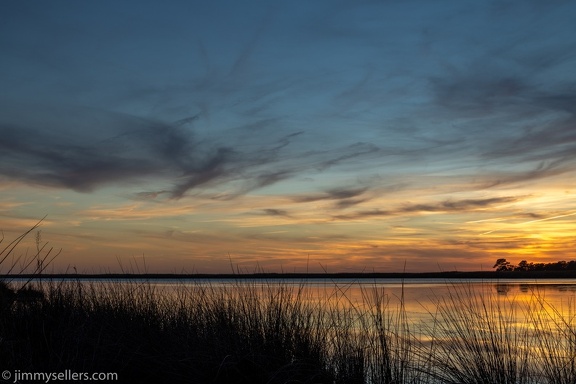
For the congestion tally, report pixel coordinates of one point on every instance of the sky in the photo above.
(289, 136)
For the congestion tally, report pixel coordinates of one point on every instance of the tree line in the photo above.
(503, 265)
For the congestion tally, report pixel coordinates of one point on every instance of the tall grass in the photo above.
(280, 332)
(198, 333)
(477, 339)
(554, 334)
(276, 332)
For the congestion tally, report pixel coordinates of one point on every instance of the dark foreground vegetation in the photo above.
(249, 332)
(280, 333)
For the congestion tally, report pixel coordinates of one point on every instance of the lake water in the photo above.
(522, 312)
(419, 300)
(418, 296)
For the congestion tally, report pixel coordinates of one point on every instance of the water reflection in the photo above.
(420, 300)
(503, 288)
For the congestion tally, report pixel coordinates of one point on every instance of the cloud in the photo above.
(345, 197)
(346, 203)
(275, 212)
(448, 206)
(332, 194)
(542, 170)
(518, 124)
(458, 205)
(83, 149)
(210, 169)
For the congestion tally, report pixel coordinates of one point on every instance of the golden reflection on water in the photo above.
(526, 304)
(532, 306)
(417, 295)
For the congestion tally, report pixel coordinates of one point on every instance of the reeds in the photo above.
(477, 339)
(554, 336)
(281, 332)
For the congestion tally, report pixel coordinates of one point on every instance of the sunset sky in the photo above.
(324, 135)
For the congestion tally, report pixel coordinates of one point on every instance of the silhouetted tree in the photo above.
(503, 265)
(523, 266)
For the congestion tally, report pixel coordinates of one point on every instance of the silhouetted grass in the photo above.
(554, 340)
(478, 339)
(245, 332)
(198, 334)
(276, 332)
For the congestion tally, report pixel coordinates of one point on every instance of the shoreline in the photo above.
(290, 276)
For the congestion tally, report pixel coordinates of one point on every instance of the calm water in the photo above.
(416, 294)
(419, 299)
(518, 302)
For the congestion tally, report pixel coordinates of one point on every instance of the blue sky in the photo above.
(339, 135)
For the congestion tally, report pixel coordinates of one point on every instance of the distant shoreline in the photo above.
(287, 276)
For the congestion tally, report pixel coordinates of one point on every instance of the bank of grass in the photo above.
(278, 332)
(199, 333)
(274, 332)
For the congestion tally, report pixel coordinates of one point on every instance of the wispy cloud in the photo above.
(448, 206)
(275, 212)
(90, 148)
(114, 148)
(343, 195)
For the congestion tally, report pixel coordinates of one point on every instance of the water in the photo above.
(417, 296)
(420, 300)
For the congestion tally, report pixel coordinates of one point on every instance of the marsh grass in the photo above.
(476, 338)
(280, 332)
(273, 332)
(554, 340)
